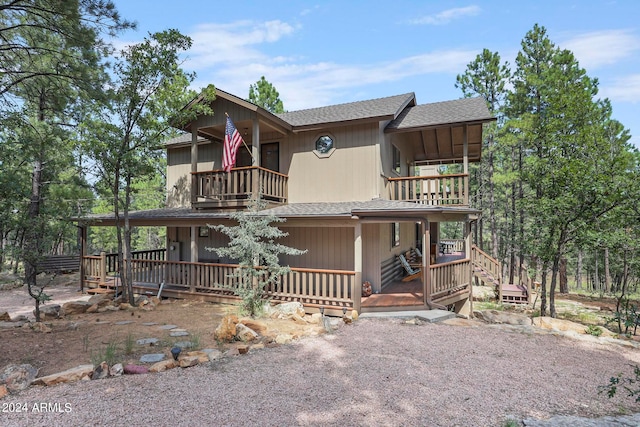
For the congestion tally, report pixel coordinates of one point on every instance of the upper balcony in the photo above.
(220, 189)
(437, 190)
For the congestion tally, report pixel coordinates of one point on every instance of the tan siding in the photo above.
(179, 170)
(371, 254)
(328, 247)
(350, 173)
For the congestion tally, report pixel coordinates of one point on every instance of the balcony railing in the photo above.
(438, 190)
(220, 189)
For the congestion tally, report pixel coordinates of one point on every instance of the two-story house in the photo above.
(344, 177)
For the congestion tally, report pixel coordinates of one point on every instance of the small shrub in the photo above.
(129, 344)
(108, 354)
(594, 330)
(195, 341)
(629, 384)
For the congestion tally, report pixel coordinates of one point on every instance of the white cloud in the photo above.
(447, 16)
(600, 48)
(623, 89)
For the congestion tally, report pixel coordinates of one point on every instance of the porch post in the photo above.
(465, 163)
(83, 252)
(255, 152)
(356, 289)
(194, 258)
(194, 162)
(426, 260)
(467, 239)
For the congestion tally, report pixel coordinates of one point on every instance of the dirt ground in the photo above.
(84, 338)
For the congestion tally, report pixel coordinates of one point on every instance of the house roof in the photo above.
(380, 108)
(335, 210)
(465, 110)
(183, 139)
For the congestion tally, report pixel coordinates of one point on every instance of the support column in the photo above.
(469, 255)
(255, 152)
(194, 163)
(426, 260)
(194, 258)
(82, 231)
(356, 289)
(465, 163)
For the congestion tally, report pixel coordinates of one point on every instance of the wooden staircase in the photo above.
(488, 270)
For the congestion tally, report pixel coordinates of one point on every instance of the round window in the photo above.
(324, 144)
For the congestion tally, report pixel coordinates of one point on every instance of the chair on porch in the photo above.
(411, 273)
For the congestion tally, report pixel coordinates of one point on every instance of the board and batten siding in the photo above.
(179, 171)
(329, 248)
(349, 173)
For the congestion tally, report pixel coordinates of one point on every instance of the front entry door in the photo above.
(270, 156)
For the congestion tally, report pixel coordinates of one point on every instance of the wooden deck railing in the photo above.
(218, 188)
(330, 288)
(486, 262)
(449, 276)
(437, 190)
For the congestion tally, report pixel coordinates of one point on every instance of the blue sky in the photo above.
(335, 51)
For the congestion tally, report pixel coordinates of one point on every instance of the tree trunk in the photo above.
(579, 270)
(607, 274)
(543, 290)
(552, 288)
(564, 282)
(596, 278)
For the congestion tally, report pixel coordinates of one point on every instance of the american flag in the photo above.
(232, 141)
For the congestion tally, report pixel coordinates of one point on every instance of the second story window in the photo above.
(396, 159)
(324, 144)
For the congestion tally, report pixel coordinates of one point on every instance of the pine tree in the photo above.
(253, 244)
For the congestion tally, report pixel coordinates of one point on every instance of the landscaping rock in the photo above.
(184, 344)
(100, 300)
(168, 327)
(92, 309)
(101, 371)
(75, 307)
(70, 375)
(126, 306)
(149, 323)
(284, 339)
(10, 325)
(188, 361)
(258, 346)
(178, 333)
(17, 377)
(148, 341)
(287, 310)
(111, 308)
(116, 370)
(212, 354)
(3, 391)
(20, 318)
(49, 312)
(243, 349)
(124, 322)
(163, 365)
(316, 318)
(245, 334)
(202, 356)
(40, 327)
(502, 317)
(562, 325)
(259, 327)
(4, 317)
(152, 358)
(135, 369)
(226, 330)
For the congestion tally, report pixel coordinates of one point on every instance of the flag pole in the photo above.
(243, 141)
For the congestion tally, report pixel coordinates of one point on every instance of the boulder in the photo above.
(70, 375)
(17, 377)
(135, 369)
(188, 361)
(212, 354)
(259, 327)
(4, 317)
(316, 318)
(3, 391)
(201, 355)
(92, 309)
(502, 317)
(245, 334)
(126, 306)
(561, 325)
(226, 330)
(10, 325)
(163, 365)
(49, 312)
(20, 318)
(100, 300)
(258, 346)
(287, 310)
(243, 349)
(76, 307)
(101, 371)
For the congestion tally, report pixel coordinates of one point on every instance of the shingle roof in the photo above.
(380, 107)
(439, 113)
(182, 139)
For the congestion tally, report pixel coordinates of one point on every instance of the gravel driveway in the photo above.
(375, 372)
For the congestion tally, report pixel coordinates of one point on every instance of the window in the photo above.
(324, 146)
(395, 234)
(396, 159)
